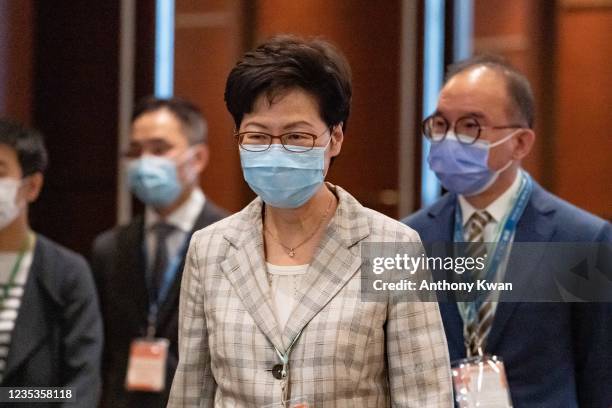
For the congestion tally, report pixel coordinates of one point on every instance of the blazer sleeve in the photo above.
(193, 384)
(417, 354)
(81, 327)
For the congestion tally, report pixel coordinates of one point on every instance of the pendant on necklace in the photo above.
(291, 252)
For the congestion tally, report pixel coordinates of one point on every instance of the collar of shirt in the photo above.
(184, 217)
(7, 263)
(498, 208)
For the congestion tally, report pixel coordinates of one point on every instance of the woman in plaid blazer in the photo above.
(251, 336)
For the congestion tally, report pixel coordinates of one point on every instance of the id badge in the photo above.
(481, 382)
(147, 365)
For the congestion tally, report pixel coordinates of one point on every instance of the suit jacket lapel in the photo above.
(31, 326)
(534, 226)
(444, 211)
(132, 266)
(440, 233)
(245, 269)
(168, 308)
(338, 258)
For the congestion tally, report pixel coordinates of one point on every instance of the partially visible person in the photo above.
(271, 309)
(50, 323)
(138, 266)
(555, 354)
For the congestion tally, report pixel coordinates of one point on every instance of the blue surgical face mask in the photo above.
(281, 178)
(154, 180)
(462, 168)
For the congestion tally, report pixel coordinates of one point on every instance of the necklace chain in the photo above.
(291, 250)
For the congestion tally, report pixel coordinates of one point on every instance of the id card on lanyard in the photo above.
(146, 370)
(481, 380)
(147, 365)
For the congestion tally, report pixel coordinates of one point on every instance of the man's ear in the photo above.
(525, 139)
(200, 157)
(32, 185)
(337, 137)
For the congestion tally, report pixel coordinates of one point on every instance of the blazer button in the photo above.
(277, 371)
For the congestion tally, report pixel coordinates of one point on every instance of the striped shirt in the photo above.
(11, 304)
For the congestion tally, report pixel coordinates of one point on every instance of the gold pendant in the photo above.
(291, 252)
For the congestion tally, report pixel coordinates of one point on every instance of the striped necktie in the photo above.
(477, 330)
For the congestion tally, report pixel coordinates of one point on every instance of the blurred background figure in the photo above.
(50, 324)
(480, 133)
(138, 266)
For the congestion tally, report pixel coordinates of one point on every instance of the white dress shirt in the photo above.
(183, 219)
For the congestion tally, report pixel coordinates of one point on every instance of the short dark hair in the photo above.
(191, 118)
(517, 84)
(285, 62)
(28, 144)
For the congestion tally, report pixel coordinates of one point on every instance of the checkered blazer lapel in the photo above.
(332, 267)
(245, 269)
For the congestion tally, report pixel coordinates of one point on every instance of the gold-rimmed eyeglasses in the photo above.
(296, 142)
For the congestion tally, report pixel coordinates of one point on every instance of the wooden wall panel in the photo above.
(16, 32)
(208, 42)
(583, 145)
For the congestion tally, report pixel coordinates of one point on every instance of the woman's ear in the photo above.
(337, 136)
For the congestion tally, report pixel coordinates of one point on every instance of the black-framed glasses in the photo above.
(296, 142)
(467, 128)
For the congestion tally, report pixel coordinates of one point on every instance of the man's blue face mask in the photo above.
(463, 168)
(281, 178)
(154, 180)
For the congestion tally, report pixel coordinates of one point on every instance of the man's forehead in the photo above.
(477, 80)
(157, 125)
(8, 158)
(160, 117)
(476, 91)
(7, 152)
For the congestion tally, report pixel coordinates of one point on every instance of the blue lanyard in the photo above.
(505, 236)
(284, 358)
(167, 281)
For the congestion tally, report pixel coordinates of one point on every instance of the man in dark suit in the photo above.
(50, 324)
(138, 266)
(555, 354)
